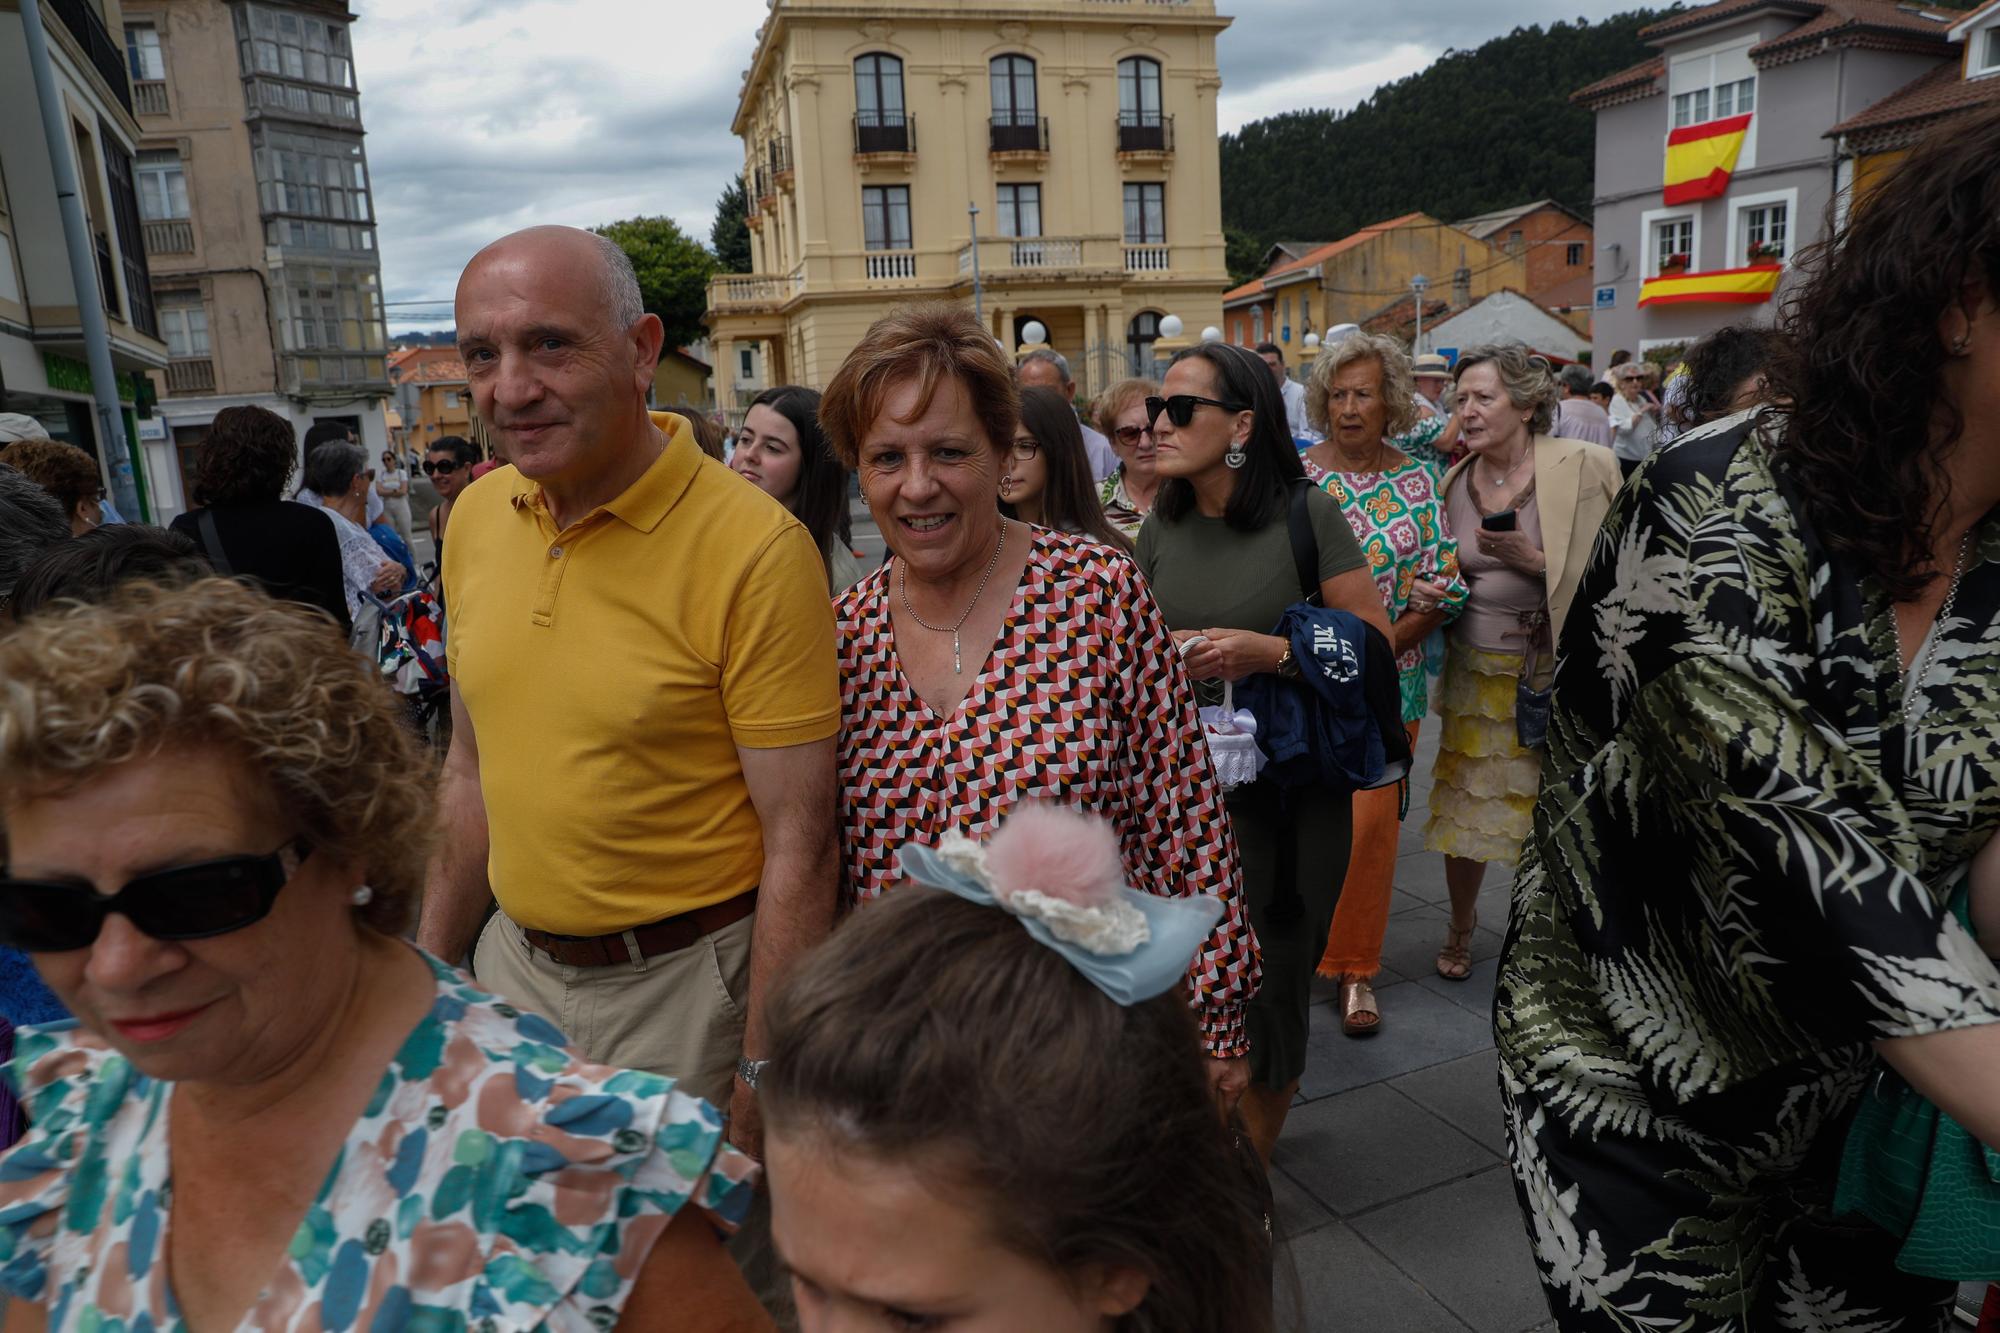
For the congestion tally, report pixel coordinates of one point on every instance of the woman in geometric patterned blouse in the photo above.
(276, 1113)
(1776, 738)
(991, 663)
(1359, 394)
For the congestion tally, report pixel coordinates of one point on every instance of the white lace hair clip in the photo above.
(1060, 872)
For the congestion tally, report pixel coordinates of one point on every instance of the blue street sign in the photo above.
(1607, 298)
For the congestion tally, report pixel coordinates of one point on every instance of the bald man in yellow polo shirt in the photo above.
(644, 694)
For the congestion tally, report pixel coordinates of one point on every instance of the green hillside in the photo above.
(1476, 131)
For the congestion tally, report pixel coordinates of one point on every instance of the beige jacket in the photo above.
(1574, 486)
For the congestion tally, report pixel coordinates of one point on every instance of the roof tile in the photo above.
(1937, 93)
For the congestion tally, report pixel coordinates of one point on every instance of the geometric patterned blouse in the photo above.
(495, 1181)
(1083, 703)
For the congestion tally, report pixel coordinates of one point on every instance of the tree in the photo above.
(673, 270)
(731, 233)
(1243, 256)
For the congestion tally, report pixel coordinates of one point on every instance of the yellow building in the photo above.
(1082, 131)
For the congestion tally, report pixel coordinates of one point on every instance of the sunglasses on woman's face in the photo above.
(1180, 408)
(440, 469)
(1129, 435)
(191, 902)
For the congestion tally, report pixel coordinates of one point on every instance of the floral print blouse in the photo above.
(1400, 524)
(1082, 703)
(495, 1182)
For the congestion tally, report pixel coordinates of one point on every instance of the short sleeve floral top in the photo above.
(495, 1182)
(1400, 524)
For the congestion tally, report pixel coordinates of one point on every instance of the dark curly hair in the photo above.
(1862, 442)
(247, 458)
(1717, 365)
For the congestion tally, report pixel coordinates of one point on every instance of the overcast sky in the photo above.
(487, 115)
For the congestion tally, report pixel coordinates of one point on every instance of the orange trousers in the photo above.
(1354, 945)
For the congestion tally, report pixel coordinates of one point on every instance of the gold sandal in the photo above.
(1454, 960)
(1360, 1016)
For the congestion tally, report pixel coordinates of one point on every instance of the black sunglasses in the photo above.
(1180, 408)
(433, 469)
(191, 902)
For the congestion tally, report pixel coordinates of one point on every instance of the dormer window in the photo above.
(1985, 52)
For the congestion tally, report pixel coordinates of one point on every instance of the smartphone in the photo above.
(1504, 521)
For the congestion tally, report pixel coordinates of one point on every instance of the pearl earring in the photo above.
(362, 896)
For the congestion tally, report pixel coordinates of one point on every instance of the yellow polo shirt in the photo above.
(612, 668)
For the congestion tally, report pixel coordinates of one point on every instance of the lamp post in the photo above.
(1034, 337)
(978, 305)
(1211, 334)
(1419, 284)
(1168, 343)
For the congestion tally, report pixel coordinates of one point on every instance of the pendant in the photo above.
(957, 666)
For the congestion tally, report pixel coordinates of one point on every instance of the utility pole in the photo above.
(978, 305)
(1419, 284)
(82, 269)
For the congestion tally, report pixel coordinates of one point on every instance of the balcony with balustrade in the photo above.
(191, 375)
(104, 52)
(149, 98)
(1005, 259)
(884, 139)
(1017, 136)
(170, 236)
(1147, 260)
(752, 293)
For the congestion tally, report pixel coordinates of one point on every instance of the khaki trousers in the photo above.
(679, 1014)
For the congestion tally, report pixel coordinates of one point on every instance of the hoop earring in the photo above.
(1235, 458)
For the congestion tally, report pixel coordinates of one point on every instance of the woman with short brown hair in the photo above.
(67, 473)
(990, 663)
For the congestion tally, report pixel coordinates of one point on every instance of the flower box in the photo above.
(1675, 263)
(1766, 252)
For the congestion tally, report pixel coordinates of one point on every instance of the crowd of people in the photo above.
(783, 942)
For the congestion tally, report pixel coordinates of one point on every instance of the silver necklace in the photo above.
(1508, 474)
(957, 662)
(1914, 678)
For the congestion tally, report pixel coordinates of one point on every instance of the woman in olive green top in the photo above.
(1217, 551)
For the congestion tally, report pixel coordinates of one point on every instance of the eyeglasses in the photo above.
(1025, 449)
(192, 902)
(440, 469)
(1180, 408)
(1129, 435)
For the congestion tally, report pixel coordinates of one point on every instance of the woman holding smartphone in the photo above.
(1526, 507)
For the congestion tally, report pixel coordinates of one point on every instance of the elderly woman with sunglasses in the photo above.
(1217, 550)
(1127, 494)
(273, 1112)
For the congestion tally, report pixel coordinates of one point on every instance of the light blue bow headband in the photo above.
(1132, 948)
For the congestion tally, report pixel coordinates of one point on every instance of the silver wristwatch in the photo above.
(750, 1071)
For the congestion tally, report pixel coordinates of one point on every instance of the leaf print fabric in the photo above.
(494, 1182)
(1728, 895)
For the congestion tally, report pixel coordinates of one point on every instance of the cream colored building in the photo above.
(1083, 131)
(259, 215)
(43, 369)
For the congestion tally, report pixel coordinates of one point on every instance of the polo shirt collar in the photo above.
(647, 501)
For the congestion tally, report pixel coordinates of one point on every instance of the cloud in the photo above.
(488, 115)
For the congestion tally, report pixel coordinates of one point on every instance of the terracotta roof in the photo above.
(1851, 22)
(1936, 94)
(426, 365)
(1254, 287)
(1964, 21)
(1640, 78)
(1703, 15)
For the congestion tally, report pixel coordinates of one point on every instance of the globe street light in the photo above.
(1211, 334)
(1034, 333)
(1171, 326)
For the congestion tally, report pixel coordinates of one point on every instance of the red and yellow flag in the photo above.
(1701, 157)
(1728, 286)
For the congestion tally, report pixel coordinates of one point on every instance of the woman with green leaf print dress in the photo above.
(1776, 733)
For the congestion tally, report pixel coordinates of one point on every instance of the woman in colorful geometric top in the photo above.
(1359, 394)
(276, 1114)
(991, 663)
(1775, 732)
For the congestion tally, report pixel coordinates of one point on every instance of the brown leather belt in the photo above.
(634, 946)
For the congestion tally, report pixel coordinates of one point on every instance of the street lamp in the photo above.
(978, 306)
(1033, 333)
(1312, 342)
(1171, 326)
(1211, 334)
(1419, 284)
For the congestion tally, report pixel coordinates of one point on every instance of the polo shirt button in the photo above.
(555, 553)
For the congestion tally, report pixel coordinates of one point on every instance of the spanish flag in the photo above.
(1728, 286)
(1700, 158)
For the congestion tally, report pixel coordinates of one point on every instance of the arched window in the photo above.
(880, 122)
(1013, 90)
(1138, 91)
(1140, 336)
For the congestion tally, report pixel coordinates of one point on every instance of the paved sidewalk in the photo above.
(1393, 1194)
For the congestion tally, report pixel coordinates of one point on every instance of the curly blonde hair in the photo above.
(218, 665)
(1399, 388)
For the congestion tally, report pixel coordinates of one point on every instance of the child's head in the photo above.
(961, 1126)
